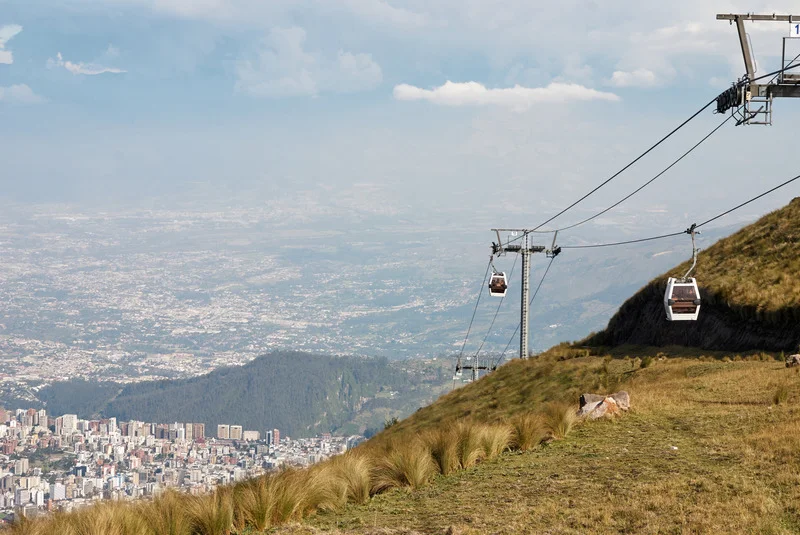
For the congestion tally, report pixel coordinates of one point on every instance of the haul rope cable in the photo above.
(642, 155)
(612, 177)
(474, 311)
(640, 188)
(684, 232)
(738, 84)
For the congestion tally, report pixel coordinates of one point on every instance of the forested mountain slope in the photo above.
(299, 393)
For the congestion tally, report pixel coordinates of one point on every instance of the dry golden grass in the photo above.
(443, 445)
(703, 450)
(166, 515)
(300, 492)
(496, 439)
(409, 459)
(781, 394)
(470, 444)
(210, 515)
(353, 470)
(559, 417)
(529, 431)
(255, 503)
(407, 464)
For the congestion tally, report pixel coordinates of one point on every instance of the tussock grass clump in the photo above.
(781, 394)
(111, 518)
(299, 492)
(166, 514)
(470, 444)
(443, 445)
(255, 503)
(559, 417)
(352, 473)
(25, 526)
(529, 431)
(406, 464)
(496, 439)
(210, 515)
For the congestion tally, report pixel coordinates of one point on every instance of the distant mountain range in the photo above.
(299, 393)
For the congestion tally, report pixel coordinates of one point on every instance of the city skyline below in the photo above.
(63, 463)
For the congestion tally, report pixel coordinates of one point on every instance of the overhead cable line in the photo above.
(640, 188)
(642, 155)
(726, 212)
(474, 311)
(779, 186)
(535, 293)
(622, 242)
(738, 84)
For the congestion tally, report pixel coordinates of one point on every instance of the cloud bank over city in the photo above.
(404, 93)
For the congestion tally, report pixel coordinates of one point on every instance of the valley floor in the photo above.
(708, 447)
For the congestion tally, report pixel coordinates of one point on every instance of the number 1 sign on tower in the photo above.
(795, 30)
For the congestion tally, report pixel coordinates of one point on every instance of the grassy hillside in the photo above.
(705, 449)
(710, 446)
(750, 285)
(710, 462)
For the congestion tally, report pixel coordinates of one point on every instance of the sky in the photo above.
(513, 107)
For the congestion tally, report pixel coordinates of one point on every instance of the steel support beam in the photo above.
(764, 18)
(785, 91)
(524, 306)
(749, 64)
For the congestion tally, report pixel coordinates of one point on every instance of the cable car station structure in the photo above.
(754, 98)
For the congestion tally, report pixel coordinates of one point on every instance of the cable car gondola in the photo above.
(682, 298)
(498, 284)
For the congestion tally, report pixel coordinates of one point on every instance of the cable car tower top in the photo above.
(756, 98)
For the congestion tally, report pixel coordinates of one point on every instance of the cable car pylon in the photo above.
(525, 249)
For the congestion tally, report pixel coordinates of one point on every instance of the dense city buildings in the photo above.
(65, 462)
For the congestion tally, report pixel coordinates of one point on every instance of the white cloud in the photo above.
(356, 72)
(636, 78)
(19, 94)
(380, 11)
(6, 34)
(282, 67)
(518, 97)
(90, 69)
(190, 8)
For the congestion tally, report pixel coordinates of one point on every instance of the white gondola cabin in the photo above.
(498, 285)
(682, 299)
